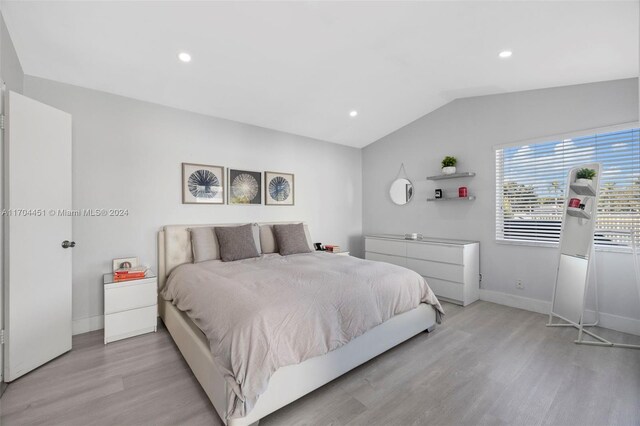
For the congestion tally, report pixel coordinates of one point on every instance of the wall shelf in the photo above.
(578, 212)
(583, 189)
(469, 198)
(453, 176)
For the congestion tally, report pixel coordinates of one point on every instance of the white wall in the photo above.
(128, 154)
(468, 129)
(10, 68)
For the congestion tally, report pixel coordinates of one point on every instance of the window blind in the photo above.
(531, 180)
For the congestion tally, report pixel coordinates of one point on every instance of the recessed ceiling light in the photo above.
(505, 54)
(353, 113)
(184, 57)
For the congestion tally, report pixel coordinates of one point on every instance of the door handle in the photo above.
(67, 244)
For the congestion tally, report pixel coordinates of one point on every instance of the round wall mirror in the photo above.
(401, 191)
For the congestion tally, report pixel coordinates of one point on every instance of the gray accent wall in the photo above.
(468, 129)
(127, 154)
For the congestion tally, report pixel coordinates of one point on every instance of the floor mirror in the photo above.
(576, 263)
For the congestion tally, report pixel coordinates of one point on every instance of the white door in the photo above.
(2, 388)
(37, 171)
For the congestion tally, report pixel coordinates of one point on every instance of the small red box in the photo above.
(462, 192)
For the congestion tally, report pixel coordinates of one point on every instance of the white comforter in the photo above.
(265, 313)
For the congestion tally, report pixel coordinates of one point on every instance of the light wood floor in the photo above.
(487, 364)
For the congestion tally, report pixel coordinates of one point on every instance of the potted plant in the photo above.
(449, 165)
(585, 176)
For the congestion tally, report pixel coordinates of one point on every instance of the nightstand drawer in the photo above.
(130, 323)
(118, 299)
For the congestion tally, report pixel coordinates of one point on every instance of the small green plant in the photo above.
(586, 174)
(449, 161)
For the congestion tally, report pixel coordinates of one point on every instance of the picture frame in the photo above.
(279, 189)
(134, 261)
(244, 187)
(202, 184)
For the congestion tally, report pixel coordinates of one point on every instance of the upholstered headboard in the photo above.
(174, 246)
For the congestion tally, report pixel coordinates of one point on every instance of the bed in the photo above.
(288, 382)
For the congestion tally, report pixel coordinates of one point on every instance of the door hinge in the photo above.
(1, 337)
(1, 121)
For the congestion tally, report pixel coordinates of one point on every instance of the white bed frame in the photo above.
(288, 383)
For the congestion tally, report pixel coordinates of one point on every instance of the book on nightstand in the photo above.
(332, 249)
(134, 273)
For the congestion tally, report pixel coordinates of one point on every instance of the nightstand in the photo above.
(130, 307)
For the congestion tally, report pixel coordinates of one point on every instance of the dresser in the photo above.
(451, 267)
(130, 307)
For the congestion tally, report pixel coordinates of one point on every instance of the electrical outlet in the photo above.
(519, 284)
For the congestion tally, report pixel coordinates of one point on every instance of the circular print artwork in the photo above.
(244, 188)
(279, 188)
(203, 184)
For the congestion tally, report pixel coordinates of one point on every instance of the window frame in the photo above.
(546, 139)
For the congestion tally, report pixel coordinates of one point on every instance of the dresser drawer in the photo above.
(450, 290)
(130, 323)
(394, 248)
(436, 252)
(118, 299)
(445, 271)
(395, 260)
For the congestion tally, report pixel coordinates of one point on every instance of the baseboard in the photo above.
(613, 322)
(526, 303)
(85, 325)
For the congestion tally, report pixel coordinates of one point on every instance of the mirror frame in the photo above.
(406, 182)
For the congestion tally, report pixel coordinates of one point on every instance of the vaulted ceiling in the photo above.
(301, 67)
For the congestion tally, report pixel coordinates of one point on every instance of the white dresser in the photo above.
(451, 267)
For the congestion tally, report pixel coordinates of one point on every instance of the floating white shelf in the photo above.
(583, 189)
(577, 212)
(453, 176)
(469, 198)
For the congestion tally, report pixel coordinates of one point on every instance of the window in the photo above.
(531, 179)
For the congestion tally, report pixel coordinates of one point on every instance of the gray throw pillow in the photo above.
(291, 239)
(204, 243)
(236, 242)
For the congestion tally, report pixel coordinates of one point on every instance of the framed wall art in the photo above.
(245, 187)
(202, 184)
(279, 189)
